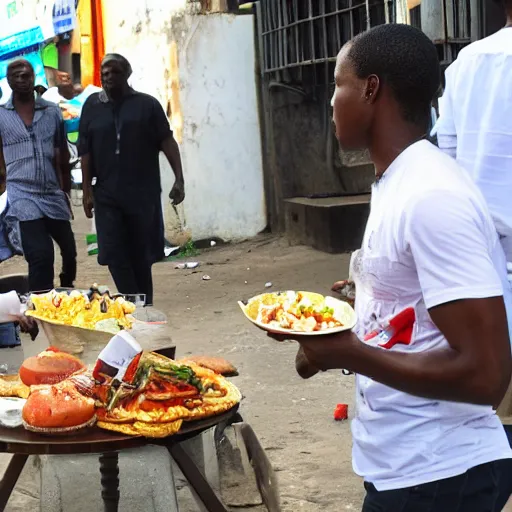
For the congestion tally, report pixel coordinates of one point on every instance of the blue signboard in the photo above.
(64, 16)
(15, 43)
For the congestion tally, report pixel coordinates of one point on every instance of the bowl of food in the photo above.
(301, 313)
(78, 322)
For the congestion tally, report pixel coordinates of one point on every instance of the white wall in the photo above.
(221, 146)
(221, 136)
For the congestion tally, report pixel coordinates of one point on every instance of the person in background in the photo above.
(64, 89)
(475, 124)
(12, 318)
(425, 435)
(34, 158)
(475, 127)
(121, 135)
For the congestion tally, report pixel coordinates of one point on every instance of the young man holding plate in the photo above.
(426, 437)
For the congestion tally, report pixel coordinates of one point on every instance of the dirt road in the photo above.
(293, 418)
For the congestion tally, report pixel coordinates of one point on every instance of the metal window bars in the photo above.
(298, 33)
(448, 23)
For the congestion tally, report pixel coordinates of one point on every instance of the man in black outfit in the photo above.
(121, 135)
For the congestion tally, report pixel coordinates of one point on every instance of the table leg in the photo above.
(109, 469)
(196, 479)
(10, 478)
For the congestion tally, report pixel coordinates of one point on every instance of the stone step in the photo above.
(333, 225)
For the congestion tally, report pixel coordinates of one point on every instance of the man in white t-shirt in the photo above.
(426, 437)
(475, 122)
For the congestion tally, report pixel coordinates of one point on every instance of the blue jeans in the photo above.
(9, 336)
(477, 490)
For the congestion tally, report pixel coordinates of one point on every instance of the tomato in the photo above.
(49, 369)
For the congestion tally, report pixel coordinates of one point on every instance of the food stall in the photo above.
(85, 394)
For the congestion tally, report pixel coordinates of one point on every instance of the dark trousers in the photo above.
(125, 243)
(478, 490)
(133, 276)
(37, 241)
(505, 471)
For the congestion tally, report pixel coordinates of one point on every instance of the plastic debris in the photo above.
(213, 243)
(341, 412)
(168, 251)
(187, 266)
(206, 278)
(268, 285)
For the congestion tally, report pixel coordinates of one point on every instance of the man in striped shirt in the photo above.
(34, 159)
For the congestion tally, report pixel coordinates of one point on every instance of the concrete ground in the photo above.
(292, 418)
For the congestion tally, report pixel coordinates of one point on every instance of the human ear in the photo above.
(372, 88)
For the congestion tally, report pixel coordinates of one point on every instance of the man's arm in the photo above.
(475, 368)
(62, 157)
(171, 150)
(463, 294)
(445, 127)
(3, 169)
(84, 152)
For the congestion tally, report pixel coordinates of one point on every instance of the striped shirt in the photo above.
(33, 188)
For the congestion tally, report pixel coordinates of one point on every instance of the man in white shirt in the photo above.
(426, 437)
(475, 127)
(11, 311)
(475, 122)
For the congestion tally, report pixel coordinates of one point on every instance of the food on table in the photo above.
(94, 310)
(160, 395)
(11, 386)
(58, 409)
(296, 311)
(216, 364)
(150, 395)
(49, 367)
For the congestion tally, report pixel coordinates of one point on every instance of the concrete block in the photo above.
(333, 225)
(72, 483)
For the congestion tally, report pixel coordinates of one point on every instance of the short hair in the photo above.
(405, 60)
(123, 61)
(19, 63)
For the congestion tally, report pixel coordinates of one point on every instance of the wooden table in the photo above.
(22, 443)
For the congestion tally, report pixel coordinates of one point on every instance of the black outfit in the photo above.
(37, 241)
(478, 490)
(123, 140)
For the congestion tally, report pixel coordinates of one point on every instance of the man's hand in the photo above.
(304, 368)
(68, 201)
(28, 325)
(88, 203)
(347, 290)
(320, 353)
(177, 194)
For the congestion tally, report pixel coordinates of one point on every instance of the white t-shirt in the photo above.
(475, 122)
(429, 240)
(10, 307)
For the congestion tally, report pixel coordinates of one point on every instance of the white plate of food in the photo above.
(300, 313)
